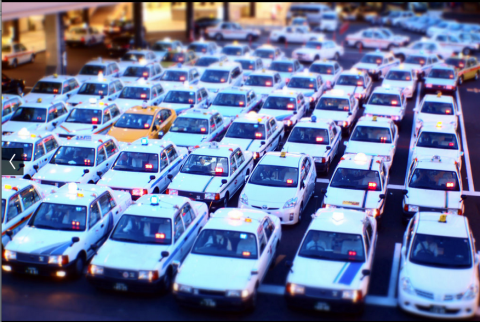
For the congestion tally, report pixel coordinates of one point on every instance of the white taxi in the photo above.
(317, 138)
(232, 30)
(197, 126)
(386, 102)
(202, 48)
(441, 140)
(205, 61)
(83, 159)
(268, 54)
(65, 231)
(137, 57)
(88, 119)
(83, 35)
(377, 64)
(53, 88)
(381, 38)
(149, 72)
(355, 82)
(286, 106)
(439, 267)
(151, 235)
(162, 47)
(14, 54)
(310, 85)
(140, 93)
(213, 173)
(221, 76)
(422, 46)
(142, 167)
(402, 79)
(454, 43)
(232, 255)
(433, 184)
(437, 109)
(250, 65)
(20, 199)
(236, 50)
(340, 107)
(286, 68)
(256, 133)
(264, 82)
(9, 105)
(33, 148)
(281, 185)
(421, 63)
(182, 99)
(294, 34)
(175, 76)
(318, 49)
(340, 246)
(236, 101)
(376, 136)
(329, 71)
(93, 69)
(101, 89)
(442, 78)
(36, 116)
(359, 183)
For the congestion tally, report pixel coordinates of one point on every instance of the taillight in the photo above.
(139, 192)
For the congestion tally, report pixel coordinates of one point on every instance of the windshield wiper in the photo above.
(44, 227)
(128, 240)
(344, 186)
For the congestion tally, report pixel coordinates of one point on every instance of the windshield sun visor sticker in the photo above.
(350, 273)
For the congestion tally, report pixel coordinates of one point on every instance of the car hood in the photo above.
(331, 115)
(196, 183)
(76, 99)
(227, 110)
(127, 135)
(42, 241)
(213, 86)
(421, 152)
(126, 179)
(270, 196)
(200, 271)
(351, 198)
(179, 108)
(14, 126)
(433, 198)
(382, 110)
(61, 173)
(369, 148)
(125, 104)
(184, 139)
(245, 144)
(75, 128)
(314, 150)
(32, 98)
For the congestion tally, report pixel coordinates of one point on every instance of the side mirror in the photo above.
(95, 126)
(254, 271)
(164, 255)
(405, 191)
(262, 143)
(350, 113)
(209, 104)
(21, 165)
(295, 112)
(155, 128)
(170, 177)
(151, 178)
(382, 196)
(288, 264)
(85, 171)
(224, 181)
(99, 174)
(75, 240)
(328, 148)
(463, 197)
(366, 272)
(55, 124)
(35, 167)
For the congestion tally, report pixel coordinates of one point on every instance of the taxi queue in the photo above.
(128, 169)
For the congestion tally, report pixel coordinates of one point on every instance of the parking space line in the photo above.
(412, 137)
(392, 286)
(471, 187)
(323, 180)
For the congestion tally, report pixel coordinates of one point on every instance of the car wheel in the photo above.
(358, 45)
(460, 80)
(19, 91)
(300, 213)
(14, 63)
(467, 51)
(167, 282)
(218, 37)
(336, 57)
(249, 38)
(79, 266)
(225, 201)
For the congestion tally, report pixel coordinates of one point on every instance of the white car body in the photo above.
(202, 48)
(318, 49)
(15, 53)
(407, 84)
(423, 46)
(315, 90)
(66, 86)
(344, 116)
(274, 53)
(236, 102)
(151, 93)
(236, 51)
(377, 64)
(175, 98)
(299, 34)
(286, 106)
(175, 77)
(424, 115)
(414, 62)
(328, 70)
(381, 38)
(231, 30)
(90, 91)
(137, 57)
(234, 77)
(10, 103)
(360, 90)
(98, 69)
(161, 47)
(150, 72)
(454, 43)
(394, 110)
(85, 35)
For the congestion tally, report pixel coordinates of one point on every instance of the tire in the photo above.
(460, 80)
(281, 40)
(466, 51)
(300, 213)
(358, 45)
(91, 182)
(401, 57)
(167, 282)
(336, 56)
(14, 63)
(19, 91)
(218, 37)
(79, 266)
(225, 201)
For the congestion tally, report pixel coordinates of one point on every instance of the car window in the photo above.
(14, 207)
(114, 111)
(171, 153)
(118, 86)
(240, 157)
(39, 150)
(95, 216)
(106, 116)
(29, 197)
(50, 143)
(188, 215)
(179, 228)
(268, 227)
(163, 161)
(101, 156)
(111, 148)
(233, 164)
(107, 203)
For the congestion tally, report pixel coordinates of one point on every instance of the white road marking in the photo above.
(323, 180)
(395, 187)
(412, 138)
(392, 286)
(471, 187)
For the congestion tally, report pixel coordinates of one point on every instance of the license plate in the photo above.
(208, 303)
(31, 271)
(322, 306)
(437, 309)
(120, 287)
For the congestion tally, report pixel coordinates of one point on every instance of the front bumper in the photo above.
(124, 285)
(37, 269)
(287, 216)
(214, 302)
(324, 304)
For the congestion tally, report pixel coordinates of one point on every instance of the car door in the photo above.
(179, 238)
(266, 251)
(111, 149)
(95, 231)
(14, 212)
(109, 211)
(30, 199)
(101, 163)
(192, 227)
(40, 158)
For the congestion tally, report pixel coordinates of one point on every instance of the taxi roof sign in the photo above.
(283, 154)
(443, 219)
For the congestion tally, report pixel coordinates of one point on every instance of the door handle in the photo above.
(45, 160)
(102, 226)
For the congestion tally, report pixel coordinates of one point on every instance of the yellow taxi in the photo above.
(467, 67)
(143, 121)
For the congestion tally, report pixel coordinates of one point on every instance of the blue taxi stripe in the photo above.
(350, 273)
(340, 273)
(208, 183)
(248, 147)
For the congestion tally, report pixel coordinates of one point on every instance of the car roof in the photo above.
(216, 149)
(223, 219)
(386, 90)
(360, 161)
(429, 224)
(324, 62)
(144, 84)
(179, 69)
(338, 220)
(152, 146)
(141, 51)
(436, 163)
(88, 141)
(379, 53)
(84, 195)
(26, 136)
(95, 80)
(96, 105)
(354, 72)
(439, 98)
(264, 73)
(335, 93)
(267, 46)
(198, 113)
(284, 93)
(253, 118)
(16, 186)
(305, 75)
(276, 159)
(167, 206)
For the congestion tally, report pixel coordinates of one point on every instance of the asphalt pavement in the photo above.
(27, 298)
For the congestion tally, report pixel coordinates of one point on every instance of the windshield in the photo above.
(227, 99)
(321, 69)
(417, 60)
(280, 103)
(162, 46)
(399, 75)
(438, 141)
(172, 57)
(174, 76)
(133, 57)
(333, 246)
(137, 162)
(206, 61)
(333, 104)
(198, 48)
(232, 51)
(246, 131)
(393, 100)
(274, 176)
(190, 125)
(264, 53)
(180, 97)
(47, 88)
(308, 135)
(350, 80)
(93, 89)
(437, 108)
(459, 63)
(134, 121)
(356, 179)
(372, 59)
(206, 165)
(6, 48)
(372, 134)
(143, 230)
(214, 76)
(256, 80)
(441, 73)
(59, 217)
(92, 70)
(224, 243)
(12, 149)
(136, 71)
(85, 116)
(3, 209)
(434, 180)
(247, 64)
(135, 93)
(314, 45)
(302, 82)
(281, 67)
(441, 252)
(29, 114)
(76, 156)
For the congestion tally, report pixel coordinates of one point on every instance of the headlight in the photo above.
(244, 199)
(58, 260)
(413, 208)
(290, 203)
(148, 275)
(212, 196)
(353, 295)
(96, 270)
(407, 285)
(294, 289)
(472, 292)
(172, 192)
(10, 255)
(386, 158)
